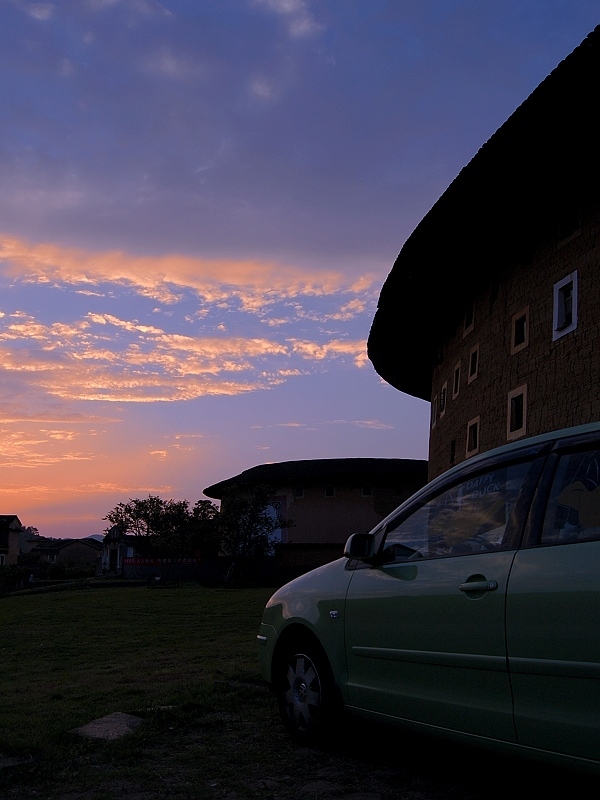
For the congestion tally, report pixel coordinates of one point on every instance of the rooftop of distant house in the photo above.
(332, 470)
(48, 546)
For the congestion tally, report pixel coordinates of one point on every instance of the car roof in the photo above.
(534, 441)
(523, 447)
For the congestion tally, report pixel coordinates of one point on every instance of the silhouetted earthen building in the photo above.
(492, 309)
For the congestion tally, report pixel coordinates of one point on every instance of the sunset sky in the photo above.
(199, 203)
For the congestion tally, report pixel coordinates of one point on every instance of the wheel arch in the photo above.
(297, 639)
(300, 634)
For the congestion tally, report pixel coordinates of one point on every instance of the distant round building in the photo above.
(330, 498)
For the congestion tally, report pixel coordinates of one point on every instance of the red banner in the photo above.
(157, 562)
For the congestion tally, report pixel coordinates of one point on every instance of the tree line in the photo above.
(243, 527)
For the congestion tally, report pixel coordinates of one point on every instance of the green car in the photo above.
(472, 611)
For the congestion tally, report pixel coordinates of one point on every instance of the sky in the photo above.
(199, 203)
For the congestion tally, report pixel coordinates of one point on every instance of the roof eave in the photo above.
(499, 206)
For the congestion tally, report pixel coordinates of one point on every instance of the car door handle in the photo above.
(479, 586)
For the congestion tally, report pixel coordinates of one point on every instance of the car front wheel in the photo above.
(305, 692)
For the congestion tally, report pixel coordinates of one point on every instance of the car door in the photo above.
(425, 625)
(553, 612)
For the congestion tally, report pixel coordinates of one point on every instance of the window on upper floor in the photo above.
(520, 331)
(516, 421)
(367, 490)
(330, 491)
(456, 381)
(472, 437)
(298, 492)
(473, 363)
(443, 399)
(564, 318)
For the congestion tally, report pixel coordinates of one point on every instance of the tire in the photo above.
(305, 691)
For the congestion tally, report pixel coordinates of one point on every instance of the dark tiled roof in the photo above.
(542, 164)
(116, 535)
(7, 519)
(307, 471)
(50, 546)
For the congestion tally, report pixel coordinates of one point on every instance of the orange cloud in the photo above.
(374, 424)
(12, 413)
(84, 360)
(25, 449)
(336, 348)
(254, 284)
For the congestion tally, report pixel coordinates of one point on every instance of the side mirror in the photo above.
(360, 546)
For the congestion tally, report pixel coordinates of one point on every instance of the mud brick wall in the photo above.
(562, 377)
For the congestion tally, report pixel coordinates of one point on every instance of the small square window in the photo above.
(456, 381)
(473, 363)
(443, 399)
(520, 331)
(298, 492)
(564, 318)
(565, 306)
(330, 491)
(472, 437)
(367, 491)
(516, 421)
(434, 411)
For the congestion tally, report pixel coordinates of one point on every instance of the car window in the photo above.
(573, 513)
(469, 517)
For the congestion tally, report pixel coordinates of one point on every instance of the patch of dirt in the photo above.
(112, 726)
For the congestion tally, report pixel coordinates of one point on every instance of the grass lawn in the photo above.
(185, 660)
(70, 657)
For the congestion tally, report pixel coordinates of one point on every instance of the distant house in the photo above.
(10, 528)
(117, 546)
(72, 552)
(328, 499)
(28, 539)
(492, 309)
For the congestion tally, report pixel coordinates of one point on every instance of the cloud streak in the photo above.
(300, 21)
(256, 285)
(102, 357)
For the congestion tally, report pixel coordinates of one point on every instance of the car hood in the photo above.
(310, 597)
